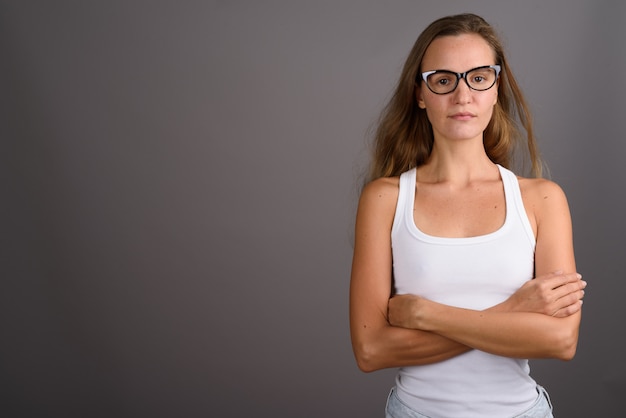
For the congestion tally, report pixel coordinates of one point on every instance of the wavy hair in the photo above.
(404, 138)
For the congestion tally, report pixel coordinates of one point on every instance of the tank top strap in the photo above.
(516, 211)
(406, 195)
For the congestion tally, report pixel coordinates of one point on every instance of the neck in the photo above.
(462, 163)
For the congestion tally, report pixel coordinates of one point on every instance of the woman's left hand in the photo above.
(403, 310)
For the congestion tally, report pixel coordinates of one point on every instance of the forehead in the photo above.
(458, 53)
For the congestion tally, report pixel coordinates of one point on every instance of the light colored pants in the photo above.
(542, 408)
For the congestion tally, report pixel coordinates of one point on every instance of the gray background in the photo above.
(178, 190)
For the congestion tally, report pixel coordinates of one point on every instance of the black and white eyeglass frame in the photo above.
(463, 76)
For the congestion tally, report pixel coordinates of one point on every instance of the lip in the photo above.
(462, 116)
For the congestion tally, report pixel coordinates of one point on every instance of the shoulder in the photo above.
(379, 197)
(381, 191)
(383, 188)
(543, 197)
(541, 189)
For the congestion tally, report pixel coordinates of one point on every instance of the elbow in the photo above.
(365, 366)
(568, 352)
(366, 357)
(565, 345)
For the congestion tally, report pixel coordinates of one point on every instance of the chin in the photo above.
(465, 136)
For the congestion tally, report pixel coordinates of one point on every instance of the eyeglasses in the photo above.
(444, 81)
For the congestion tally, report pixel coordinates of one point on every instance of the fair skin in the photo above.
(460, 195)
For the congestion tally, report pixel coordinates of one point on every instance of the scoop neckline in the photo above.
(413, 228)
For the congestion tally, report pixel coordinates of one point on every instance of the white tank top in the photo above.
(473, 273)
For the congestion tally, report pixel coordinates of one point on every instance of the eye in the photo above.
(442, 79)
(478, 79)
(481, 76)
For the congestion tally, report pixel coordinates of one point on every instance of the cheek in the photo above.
(490, 101)
(432, 103)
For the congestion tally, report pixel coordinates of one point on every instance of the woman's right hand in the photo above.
(556, 294)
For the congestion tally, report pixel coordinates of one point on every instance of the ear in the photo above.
(497, 86)
(420, 100)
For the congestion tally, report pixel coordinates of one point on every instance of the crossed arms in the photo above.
(540, 320)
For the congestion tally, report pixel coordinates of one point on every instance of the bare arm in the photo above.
(524, 326)
(375, 342)
(556, 294)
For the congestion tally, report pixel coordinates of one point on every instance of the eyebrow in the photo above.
(462, 72)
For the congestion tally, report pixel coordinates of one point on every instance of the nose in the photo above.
(462, 93)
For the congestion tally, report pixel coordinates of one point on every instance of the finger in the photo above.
(570, 287)
(570, 299)
(568, 304)
(568, 310)
(577, 289)
(555, 281)
(571, 290)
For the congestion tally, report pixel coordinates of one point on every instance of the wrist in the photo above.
(500, 307)
(422, 314)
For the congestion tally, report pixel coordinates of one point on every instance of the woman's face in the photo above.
(464, 113)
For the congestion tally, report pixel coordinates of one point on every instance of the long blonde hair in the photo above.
(404, 137)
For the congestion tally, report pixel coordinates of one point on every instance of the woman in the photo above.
(448, 239)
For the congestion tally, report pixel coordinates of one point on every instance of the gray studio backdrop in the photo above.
(179, 181)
